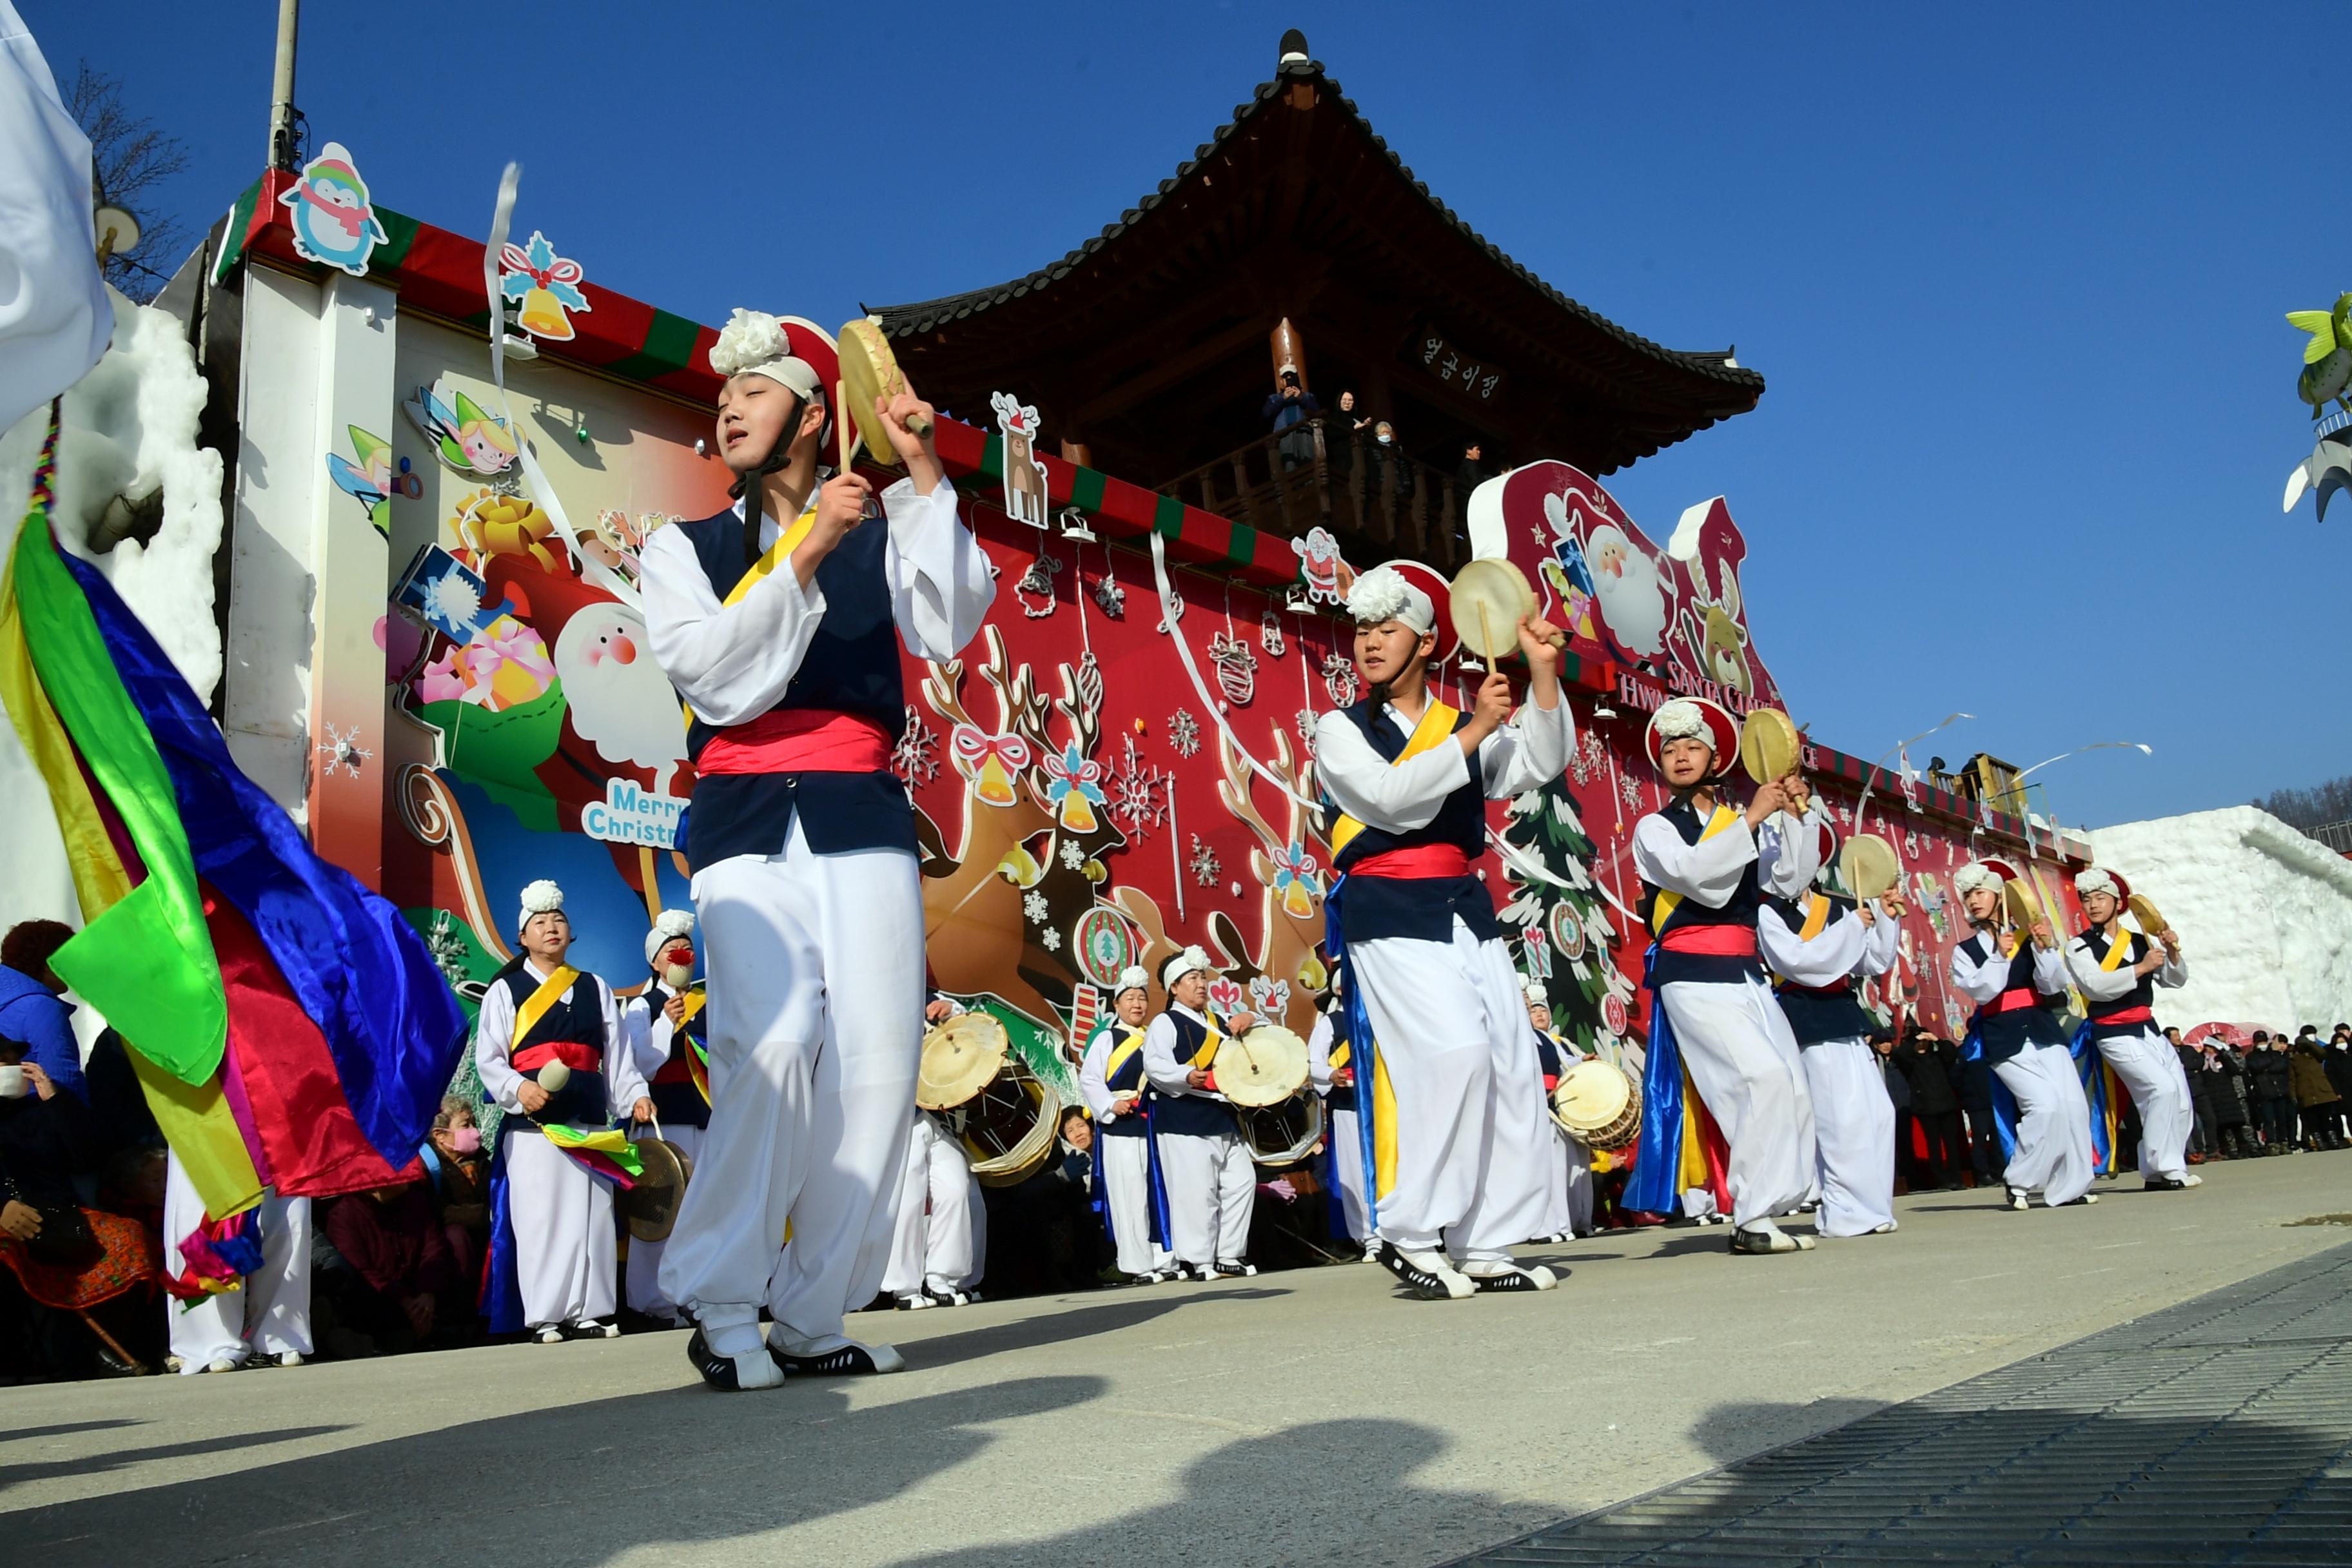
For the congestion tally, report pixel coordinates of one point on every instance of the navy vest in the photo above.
(1833, 1012)
(1420, 907)
(2006, 1034)
(2141, 994)
(1546, 1053)
(1190, 1115)
(1740, 909)
(1126, 1079)
(851, 665)
(580, 1018)
(676, 1100)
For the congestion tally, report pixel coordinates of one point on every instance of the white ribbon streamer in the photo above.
(1168, 606)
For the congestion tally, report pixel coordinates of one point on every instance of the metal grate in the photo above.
(2216, 1431)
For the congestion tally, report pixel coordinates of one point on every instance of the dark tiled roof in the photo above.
(906, 321)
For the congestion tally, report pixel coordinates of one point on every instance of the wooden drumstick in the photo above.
(842, 425)
(1486, 634)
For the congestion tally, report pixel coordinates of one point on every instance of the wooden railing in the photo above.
(1378, 502)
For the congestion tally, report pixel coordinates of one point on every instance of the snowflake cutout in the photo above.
(916, 759)
(1033, 904)
(1339, 681)
(1269, 634)
(1074, 854)
(343, 750)
(1050, 940)
(448, 947)
(1306, 722)
(1203, 864)
(1183, 733)
(1139, 795)
(1631, 791)
(1110, 597)
(1591, 757)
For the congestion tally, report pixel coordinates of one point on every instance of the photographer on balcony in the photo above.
(1286, 413)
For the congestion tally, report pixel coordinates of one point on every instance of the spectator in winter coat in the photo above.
(2314, 1097)
(2270, 1092)
(2224, 1077)
(32, 1008)
(2339, 1066)
(1287, 414)
(1927, 1064)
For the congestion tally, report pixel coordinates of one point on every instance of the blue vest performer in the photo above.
(664, 1024)
(1111, 1081)
(2117, 970)
(938, 1247)
(2011, 977)
(780, 622)
(1204, 1164)
(551, 1053)
(1706, 866)
(1820, 946)
(1459, 1122)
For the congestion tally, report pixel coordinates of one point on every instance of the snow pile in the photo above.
(129, 426)
(2265, 915)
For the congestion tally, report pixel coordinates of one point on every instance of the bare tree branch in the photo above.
(130, 161)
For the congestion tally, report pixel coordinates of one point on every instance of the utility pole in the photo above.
(281, 89)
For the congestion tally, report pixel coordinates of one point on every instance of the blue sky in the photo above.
(2015, 275)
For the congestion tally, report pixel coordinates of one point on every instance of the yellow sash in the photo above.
(1436, 725)
(777, 554)
(1339, 1054)
(1667, 898)
(551, 990)
(1120, 1054)
(695, 999)
(2118, 949)
(1817, 917)
(1207, 1055)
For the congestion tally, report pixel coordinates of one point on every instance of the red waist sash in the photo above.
(1420, 863)
(2129, 1015)
(1712, 940)
(572, 1054)
(798, 740)
(2013, 1001)
(1838, 989)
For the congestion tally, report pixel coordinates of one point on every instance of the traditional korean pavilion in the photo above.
(1296, 235)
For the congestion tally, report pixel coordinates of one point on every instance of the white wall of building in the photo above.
(2265, 915)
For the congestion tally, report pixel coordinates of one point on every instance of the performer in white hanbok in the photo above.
(1457, 1101)
(551, 1053)
(1211, 1180)
(1111, 1081)
(1820, 946)
(1706, 866)
(779, 623)
(2117, 970)
(1567, 1170)
(2009, 977)
(1331, 1068)
(267, 1316)
(664, 1022)
(935, 1247)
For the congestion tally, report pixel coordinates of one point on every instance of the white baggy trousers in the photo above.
(1347, 1162)
(936, 1237)
(1211, 1193)
(269, 1312)
(1743, 1060)
(1127, 1185)
(2053, 1124)
(2151, 1068)
(1472, 1134)
(816, 1012)
(1853, 1125)
(566, 1249)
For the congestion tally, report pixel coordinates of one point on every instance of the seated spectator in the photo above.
(459, 1174)
(2316, 1099)
(121, 1117)
(68, 1261)
(387, 1296)
(32, 1005)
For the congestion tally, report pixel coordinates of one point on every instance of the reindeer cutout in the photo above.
(1715, 638)
(1024, 476)
(1286, 973)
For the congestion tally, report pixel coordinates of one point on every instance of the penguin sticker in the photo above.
(334, 222)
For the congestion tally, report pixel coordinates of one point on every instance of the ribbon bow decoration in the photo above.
(1297, 879)
(544, 268)
(1073, 786)
(989, 763)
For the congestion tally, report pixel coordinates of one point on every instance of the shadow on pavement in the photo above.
(1056, 1328)
(18, 1475)
(571, 1484)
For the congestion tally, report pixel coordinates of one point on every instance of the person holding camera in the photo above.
(1286, 413)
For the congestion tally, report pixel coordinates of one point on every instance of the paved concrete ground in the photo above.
(1301, 1417)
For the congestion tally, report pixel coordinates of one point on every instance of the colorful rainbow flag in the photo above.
(287, 1026)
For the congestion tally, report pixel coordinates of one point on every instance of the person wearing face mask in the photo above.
(1210, 1182)
(1111, 1078)
(2007, 976)
(664, 1023)
(1462, 1135)
(551, 1054)
(1706, 866)
(2117, 970)
(779, 623)
(460, 1173)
